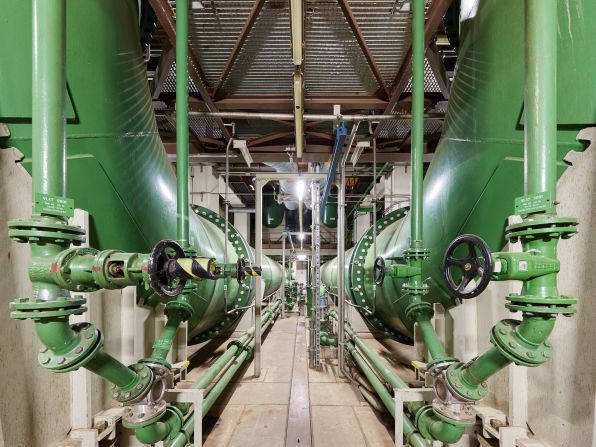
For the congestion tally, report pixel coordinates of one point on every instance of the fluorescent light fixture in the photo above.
(302, 257)
(301, 236)
(358, 151)
(300, 189)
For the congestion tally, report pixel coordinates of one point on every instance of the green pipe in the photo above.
(48, 95)
(540, 109)
(163, 343)
(417, 122)
(182, 438)
(431, 339)
(182, 140)
(155, 432)
(412, 437)
(427, 422)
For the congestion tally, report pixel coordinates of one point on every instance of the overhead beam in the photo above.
(165, 15)
(269, 137)
(312, 103)
(349, 16)
(250, 21)
(163, 70)
(436, 12)
(438, 68)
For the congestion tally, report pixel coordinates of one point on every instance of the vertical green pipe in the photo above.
(48, 92)
(163, 343)
(182, 121)
(417, 121)
(431, 339)
(541, 97)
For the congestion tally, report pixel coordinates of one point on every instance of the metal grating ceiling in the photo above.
(430, 81)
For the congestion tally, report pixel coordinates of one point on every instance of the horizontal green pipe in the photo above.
(205, 380)
(413, 438)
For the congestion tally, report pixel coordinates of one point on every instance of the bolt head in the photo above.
(513, 344)
(127, 395)
(89, 335)
(546, 354)
(43, 349)
(116, 394)
(61, 360)
(547, 344)
(530, 354)
(45, 361)
(502, 331)
(79, 350)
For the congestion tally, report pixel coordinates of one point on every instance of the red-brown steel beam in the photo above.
(250, 21)
(165, 15)
(310, 102)
(436, 12)
(349, 16)
(268, 137)
(163, 70)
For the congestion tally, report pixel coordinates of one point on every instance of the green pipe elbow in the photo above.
(165, 428)
(56, 334)
(434, 428)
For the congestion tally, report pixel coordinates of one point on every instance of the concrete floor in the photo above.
(291, 405)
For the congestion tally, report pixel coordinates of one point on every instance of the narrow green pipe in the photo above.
(163, 343)
(417, 121)
(106, 366)
(541, 97)
(185, 434)
(49, 97)
(182, 140)
(436, 428)
(412, 437)
(431, 339)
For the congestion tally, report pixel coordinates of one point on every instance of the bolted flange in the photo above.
(459, 389)
(505, 337)
(138, 388)
(38, 229)
(25, 308)
(90, 340)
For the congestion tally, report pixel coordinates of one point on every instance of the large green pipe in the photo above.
(540, 177)
(182, 140)
(477, 169)
(49, 97)
(118, 169)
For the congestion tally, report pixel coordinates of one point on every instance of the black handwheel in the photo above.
(161, 268)
(471, 262)
(240, 273)
(379, 269)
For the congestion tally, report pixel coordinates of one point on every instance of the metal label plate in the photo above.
(533, 203)
(53, 205)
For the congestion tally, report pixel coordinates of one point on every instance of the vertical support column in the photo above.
(283, 274)
(258, 261)
(315, 328)
(182, 122)
(341, 261)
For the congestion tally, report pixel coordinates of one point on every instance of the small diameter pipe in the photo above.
(412, 437)
(182, 438)
(163, 343)
(182, 139)
(430, 337)
(437, 428)
(310, 116)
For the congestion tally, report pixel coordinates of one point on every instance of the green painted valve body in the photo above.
(117, 167)
(478, 168)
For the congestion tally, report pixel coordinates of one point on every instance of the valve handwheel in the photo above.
(240, 274)
(461, 269)
(161, 268)
(379, 269)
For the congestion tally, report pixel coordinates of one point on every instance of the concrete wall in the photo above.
(35, 404)
(561, 394)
